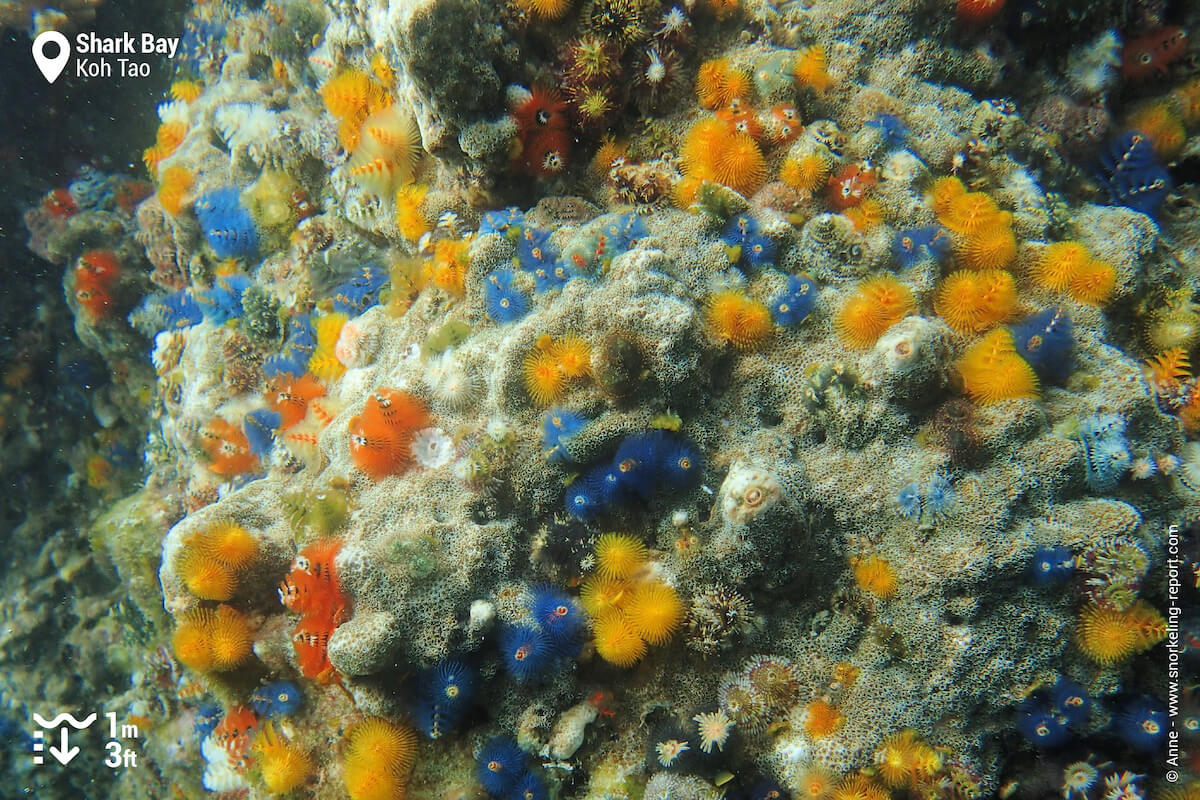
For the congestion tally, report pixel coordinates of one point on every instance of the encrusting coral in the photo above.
(773, 404)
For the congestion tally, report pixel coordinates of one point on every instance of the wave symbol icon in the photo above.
(74, 723)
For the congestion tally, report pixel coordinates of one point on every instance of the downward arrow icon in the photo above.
(64, 754)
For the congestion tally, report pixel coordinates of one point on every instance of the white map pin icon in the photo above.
(51, 67)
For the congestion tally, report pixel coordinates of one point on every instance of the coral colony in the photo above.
(654, 400)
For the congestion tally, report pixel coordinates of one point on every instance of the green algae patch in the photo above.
(315, 515)
(127, 541)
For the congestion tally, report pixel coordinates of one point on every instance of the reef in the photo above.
(652, 401)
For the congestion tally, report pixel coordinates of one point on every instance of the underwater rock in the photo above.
(747, 493)
(456, 341)
(366, 644)
(910, 360)
(460, 84)
(569, 730)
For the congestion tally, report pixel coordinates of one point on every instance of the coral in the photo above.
(876, 305)
(756, 375)
(992, 370)
(748, 493)
(736, 319)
